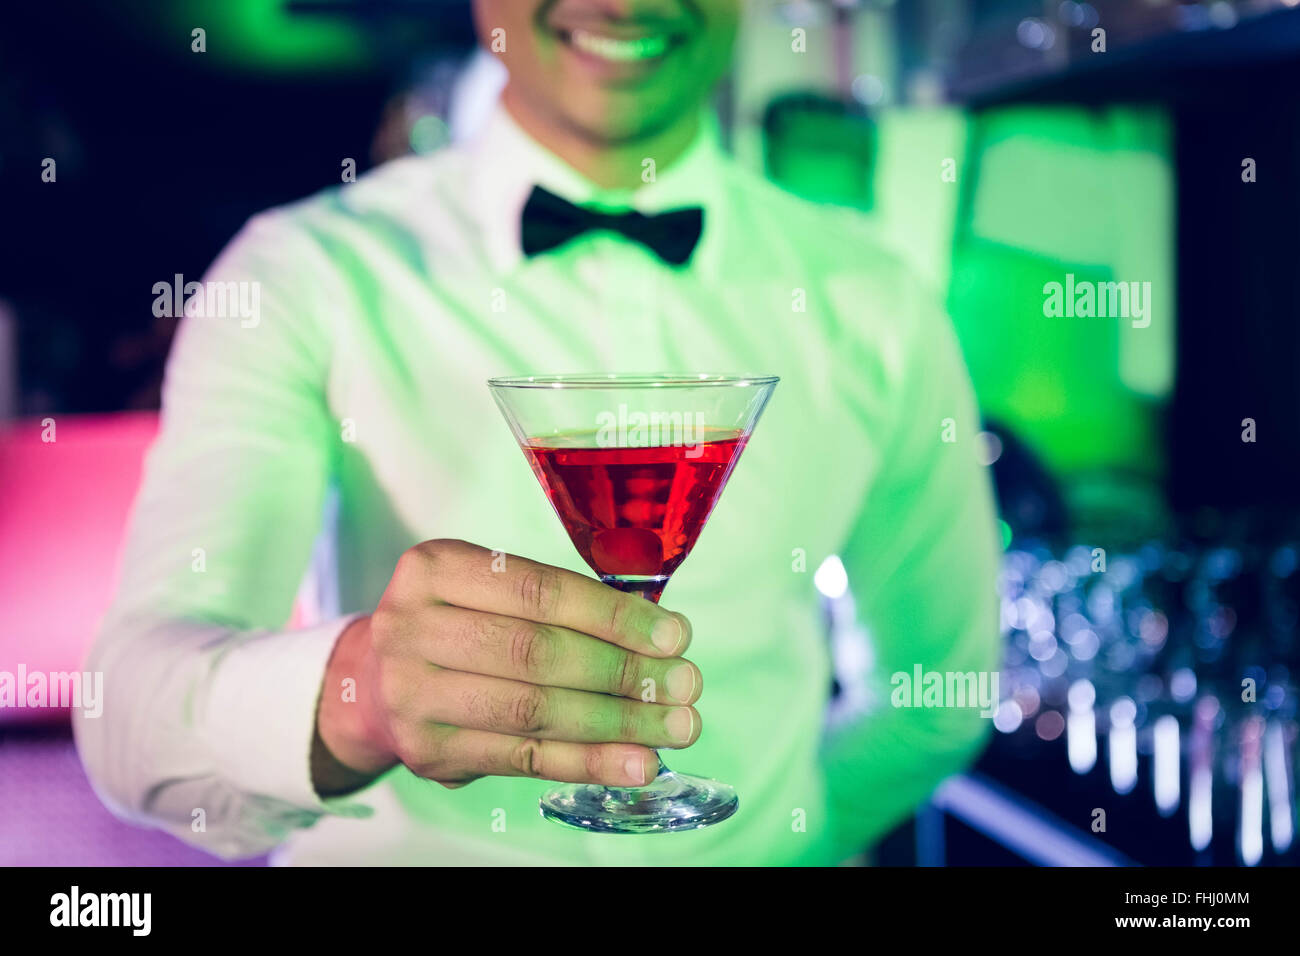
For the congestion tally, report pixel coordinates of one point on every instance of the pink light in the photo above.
(63, 510)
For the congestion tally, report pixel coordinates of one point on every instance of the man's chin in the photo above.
(620, 123)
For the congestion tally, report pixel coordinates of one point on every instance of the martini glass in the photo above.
(633, 465)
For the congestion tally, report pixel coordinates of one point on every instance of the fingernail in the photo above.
(681, 682)
(635, 767)
(680, 724)
(667, 635)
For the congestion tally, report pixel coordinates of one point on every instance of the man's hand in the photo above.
(463, 672)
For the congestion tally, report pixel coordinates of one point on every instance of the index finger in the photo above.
(481, 580)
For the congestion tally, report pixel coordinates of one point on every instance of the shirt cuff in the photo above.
(260, 716)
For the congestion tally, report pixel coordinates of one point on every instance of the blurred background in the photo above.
(1148, 475)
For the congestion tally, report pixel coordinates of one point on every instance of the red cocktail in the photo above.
(634, 512)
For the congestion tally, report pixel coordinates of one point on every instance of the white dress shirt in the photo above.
(353, 421)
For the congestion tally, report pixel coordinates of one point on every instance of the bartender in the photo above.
(455, 655)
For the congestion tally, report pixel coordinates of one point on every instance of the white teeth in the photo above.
(619, 51)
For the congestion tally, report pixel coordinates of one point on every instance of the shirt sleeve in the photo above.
(922, 563)
(209, 701)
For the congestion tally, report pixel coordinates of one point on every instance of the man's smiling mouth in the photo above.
(618, 50)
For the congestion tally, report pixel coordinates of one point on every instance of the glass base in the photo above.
(673, 801)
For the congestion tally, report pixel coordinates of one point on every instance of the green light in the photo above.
(1006, 534)
(1062, 193)
(265, 34)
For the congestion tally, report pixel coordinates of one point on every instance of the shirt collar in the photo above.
(506, 163)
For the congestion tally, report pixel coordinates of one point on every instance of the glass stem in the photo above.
(650, 587)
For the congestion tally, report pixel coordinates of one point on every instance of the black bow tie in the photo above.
(550, 221)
